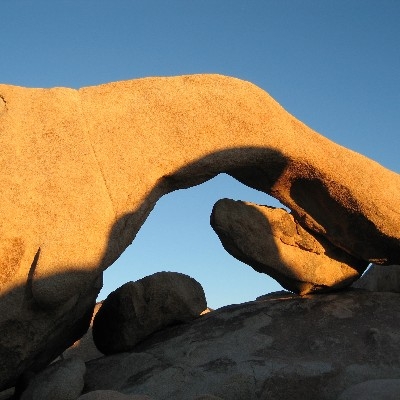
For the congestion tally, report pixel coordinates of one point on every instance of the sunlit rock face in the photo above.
(272, 242)
(82, 169)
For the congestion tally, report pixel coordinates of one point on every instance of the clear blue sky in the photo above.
(335, 65)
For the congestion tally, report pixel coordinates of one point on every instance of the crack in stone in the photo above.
(3, 104)
(95, 155)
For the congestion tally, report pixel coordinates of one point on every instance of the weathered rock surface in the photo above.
(111, 395)
(62, 380)
(286, 347)
(137, 309)
(374, 389)
(380, 278)
(97, 159)
(272, 242)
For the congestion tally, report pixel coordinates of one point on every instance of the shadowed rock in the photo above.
(84, 348)
(272, 242)
(380, 279)
(374, 389)
(290, 347)
(82, 169)
(62, 380)
(138, 309)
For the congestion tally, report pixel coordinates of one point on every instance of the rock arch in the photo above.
(81, 170)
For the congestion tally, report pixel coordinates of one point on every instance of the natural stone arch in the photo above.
(130, 143)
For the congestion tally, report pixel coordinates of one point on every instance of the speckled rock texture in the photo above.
(284, 347)
(82, 169)
(272, 242)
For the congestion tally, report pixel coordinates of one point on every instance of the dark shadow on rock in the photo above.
(344, 228)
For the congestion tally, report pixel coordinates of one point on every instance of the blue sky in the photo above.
(333, 64)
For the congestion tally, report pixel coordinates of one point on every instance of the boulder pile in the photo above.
(97, 159)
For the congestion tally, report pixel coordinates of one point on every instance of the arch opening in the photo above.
(177, 236)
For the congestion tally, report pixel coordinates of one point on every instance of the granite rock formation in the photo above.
(97, 159)
(271, 241)
(312, 347)
(138, 309)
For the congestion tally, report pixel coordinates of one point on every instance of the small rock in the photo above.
(375, 389)
(138, 309)
(62, 380)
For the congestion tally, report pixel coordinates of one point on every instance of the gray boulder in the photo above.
(138, 309)
(374, 389)
(62, 380)
(290, 347)
(380, 278)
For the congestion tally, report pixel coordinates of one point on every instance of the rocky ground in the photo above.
(336, 346)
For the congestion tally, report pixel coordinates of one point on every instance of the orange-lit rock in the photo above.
(272, 242)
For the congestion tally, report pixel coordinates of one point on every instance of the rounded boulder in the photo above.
(137, 309)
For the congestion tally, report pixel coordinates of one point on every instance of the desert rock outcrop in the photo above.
(97, 159)
(312, 347)
(272, 242)
(138, 309)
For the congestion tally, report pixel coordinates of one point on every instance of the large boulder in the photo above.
(271, 241)
(82, 169)
(286, 347)
(138, 309)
